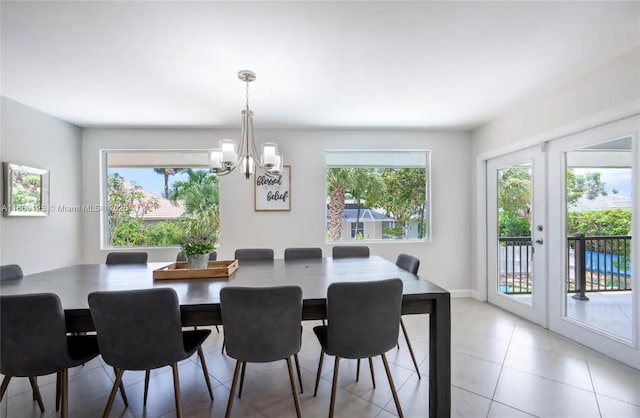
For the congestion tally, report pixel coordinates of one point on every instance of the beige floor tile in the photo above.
(465, 404)
(543, 397)
(615, 380)
(474, 375)
(558, 367)
(485, 348)
(613, 408)
(498, 410)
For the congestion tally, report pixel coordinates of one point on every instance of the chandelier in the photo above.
(228, 156)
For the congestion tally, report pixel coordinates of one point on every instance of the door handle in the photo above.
(539, 241)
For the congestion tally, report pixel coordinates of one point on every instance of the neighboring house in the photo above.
(371, 222)
(612, 201)
(166, 210)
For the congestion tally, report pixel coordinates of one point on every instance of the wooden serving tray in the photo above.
(180, 270)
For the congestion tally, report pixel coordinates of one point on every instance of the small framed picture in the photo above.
(273, 192)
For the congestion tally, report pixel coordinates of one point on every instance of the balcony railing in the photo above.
(595, 264)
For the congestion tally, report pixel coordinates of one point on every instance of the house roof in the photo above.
(165, 210)
(366, 214)
(612, 201)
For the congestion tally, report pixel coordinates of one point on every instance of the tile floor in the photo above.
(502, 366)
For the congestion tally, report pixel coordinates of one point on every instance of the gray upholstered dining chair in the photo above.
(261, 325)
(35, 343)
(302, 253)
(155, 339)
(120, 257)
(10, 272)
(253, 254)
(411, 264)
(350, 251)
(213, 256)
(363, 320)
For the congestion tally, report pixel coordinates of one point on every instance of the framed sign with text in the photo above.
(273, 193)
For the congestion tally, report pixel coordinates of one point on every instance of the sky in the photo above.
(147, 178)
(614, 178)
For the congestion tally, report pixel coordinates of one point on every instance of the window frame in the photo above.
(428, 199)
(104, 190)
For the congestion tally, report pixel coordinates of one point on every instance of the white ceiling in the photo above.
(319, 64)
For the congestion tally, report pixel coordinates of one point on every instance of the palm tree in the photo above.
(337, 182)
(201, 198)
(166, 172)
(364, 184)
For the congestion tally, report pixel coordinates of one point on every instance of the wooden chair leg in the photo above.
(147, 375)
(223, 346)
(122, 391)
(64, 391)
(393, 387)
(334, 387)
(234, 382)
(203, 363)
(58, 389)
(294, 390)
(36, 392)
(315, 391)
(112, 395)
(218, 329)
(3, 387)
(358, 371)
(244, 367)
(413, 356)
(295, 357)
(373, 377)
(176, 390)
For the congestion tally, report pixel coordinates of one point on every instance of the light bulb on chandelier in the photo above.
(227, 157)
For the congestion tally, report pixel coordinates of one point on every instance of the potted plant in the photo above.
(197, 248)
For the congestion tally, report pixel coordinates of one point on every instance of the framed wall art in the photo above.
(273, 193)
(25, 190)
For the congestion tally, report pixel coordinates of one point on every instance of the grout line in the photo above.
(493, 395)
(595, 395)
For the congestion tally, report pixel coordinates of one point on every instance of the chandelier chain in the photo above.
(247, 94)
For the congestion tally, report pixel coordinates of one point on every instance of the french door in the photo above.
(593, 239)
(516, 229)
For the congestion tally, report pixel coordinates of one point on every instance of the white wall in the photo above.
(609, 93)
(36, 139)
(444, 259)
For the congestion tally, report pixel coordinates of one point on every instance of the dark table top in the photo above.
(72, 284)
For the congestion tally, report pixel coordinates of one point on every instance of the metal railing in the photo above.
(595, 264)
(515, 262)
(598, 264)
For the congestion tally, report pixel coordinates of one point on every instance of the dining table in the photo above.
(200, 298)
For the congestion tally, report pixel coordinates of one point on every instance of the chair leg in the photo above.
(112, 395)
(294, 390)
(36, 392)
(58, 389)
(203, 363)
(218, 329)
(234, 382)
(413, 356)
(64, 403)
(147, 375)
(122, 391)
(3, 387)
(223, 346)
(33, 383)
(244, 367)
(358, 371)
(315, 391)
(334, 387)
(295, 357)
(393, 387)
(373, 378)
(176, 390)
